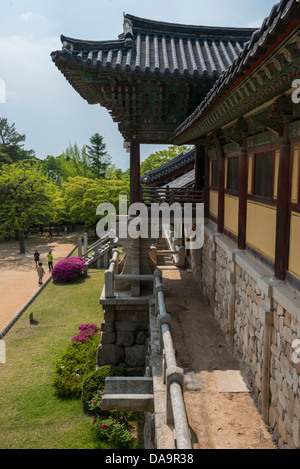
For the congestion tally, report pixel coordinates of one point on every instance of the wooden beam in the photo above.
(199, 168)
(282, 223)
(135, 193)
(221, 184)
(243, 186)
(206, 183)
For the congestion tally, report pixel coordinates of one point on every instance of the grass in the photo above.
(31, 416)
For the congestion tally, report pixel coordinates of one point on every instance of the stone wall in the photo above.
(124, 337)
(260, 318)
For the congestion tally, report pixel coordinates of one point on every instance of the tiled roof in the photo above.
(275, 24)
(154, 47)
(186, 180)
(180, 161)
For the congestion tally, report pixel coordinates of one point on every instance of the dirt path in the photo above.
(18, 277)
(220, 407)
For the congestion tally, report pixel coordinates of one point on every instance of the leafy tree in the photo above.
(157, 159)
(81, 196)
(51, 167)
(100, 160)
(11, 144)
(25, 200)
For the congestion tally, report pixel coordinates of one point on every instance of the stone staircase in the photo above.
(99, 253)
(163, 260)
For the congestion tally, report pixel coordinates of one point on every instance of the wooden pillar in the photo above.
(135, 192)
(243, 186)
(221, 185)
(282, 224)
(206, 183)
(199, 168)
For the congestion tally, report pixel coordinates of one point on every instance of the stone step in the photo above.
(128, 394)
(128, 402)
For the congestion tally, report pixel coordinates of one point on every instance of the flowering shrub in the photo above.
(113, 431)
(95, 383)
(68, 269)
(86, 332)
(96, 404)
(77, 362)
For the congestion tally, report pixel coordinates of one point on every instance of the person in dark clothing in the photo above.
(36, 256)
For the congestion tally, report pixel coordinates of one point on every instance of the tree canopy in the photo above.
(12, 144)
(25, 200)
(64, 189)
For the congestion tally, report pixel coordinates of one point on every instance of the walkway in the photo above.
(220, 408)
(18, 277)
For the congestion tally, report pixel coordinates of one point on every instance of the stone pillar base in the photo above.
(124, 337)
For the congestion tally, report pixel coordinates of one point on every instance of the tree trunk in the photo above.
(22, 244)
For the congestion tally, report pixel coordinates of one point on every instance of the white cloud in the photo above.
(255, 24)
(38, 23)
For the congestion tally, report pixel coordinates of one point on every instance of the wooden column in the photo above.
(243, 189)
(282, 224)
(135, 192)
(199, 168)
(206, 183)
(221, 185)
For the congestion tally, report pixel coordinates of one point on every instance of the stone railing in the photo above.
(111, 275)
(135, 393)
(173, 375)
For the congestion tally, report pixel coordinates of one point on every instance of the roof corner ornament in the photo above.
(128, 32)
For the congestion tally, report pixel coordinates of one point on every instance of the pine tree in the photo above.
(100, 160)
(12, 143)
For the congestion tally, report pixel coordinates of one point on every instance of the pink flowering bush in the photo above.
(86, 332)
(68, 269)
(114, 432)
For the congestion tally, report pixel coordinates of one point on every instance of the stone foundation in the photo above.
(124, 337)
(260, 318)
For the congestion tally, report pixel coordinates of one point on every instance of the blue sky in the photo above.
(39, 100)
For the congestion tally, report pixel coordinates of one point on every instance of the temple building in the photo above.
(231, 94)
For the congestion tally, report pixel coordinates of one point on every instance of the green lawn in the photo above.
(31, 416)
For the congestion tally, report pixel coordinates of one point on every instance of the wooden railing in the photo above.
(159, 195)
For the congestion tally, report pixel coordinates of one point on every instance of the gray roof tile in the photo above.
(154, 47)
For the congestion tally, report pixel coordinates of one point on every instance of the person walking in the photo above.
(41, 273)
(36, 256)
(50, 261)
(50, 231)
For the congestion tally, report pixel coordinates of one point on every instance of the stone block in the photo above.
(108, 338)
(135, 356)
(124, 326)
(107, 326)
(109, 354)
(141, 338)
(125, 338)
(137, 315)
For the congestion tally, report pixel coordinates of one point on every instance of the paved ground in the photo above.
(18, 277)
(221, 409)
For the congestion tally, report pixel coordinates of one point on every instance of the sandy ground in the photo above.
(18, 277)
(221, 410)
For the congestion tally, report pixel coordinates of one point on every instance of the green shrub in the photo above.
(114, 432)
(95, 382)
(78, 361)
